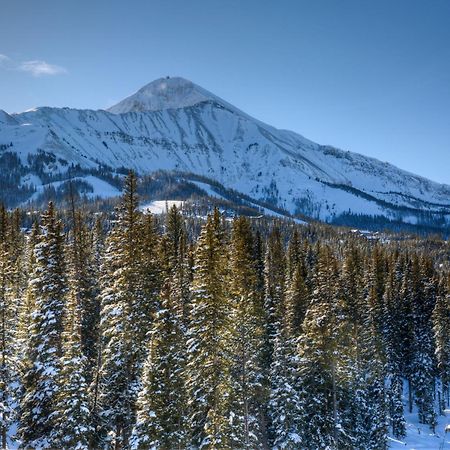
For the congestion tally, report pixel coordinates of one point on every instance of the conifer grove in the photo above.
(120, 330)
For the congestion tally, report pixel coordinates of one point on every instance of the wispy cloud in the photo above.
(37, 68)
(3, 59)
(40, 68)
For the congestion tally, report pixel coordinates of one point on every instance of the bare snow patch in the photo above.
(161, 206)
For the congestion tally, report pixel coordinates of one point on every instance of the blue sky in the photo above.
(367, 76)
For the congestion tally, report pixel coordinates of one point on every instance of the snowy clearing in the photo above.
(161, 206)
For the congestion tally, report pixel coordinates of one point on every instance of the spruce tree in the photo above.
(85, 289)
(248, 320)
(393, 351)
(275, 276)
(318, 418)
(274, 292)
(178, 262)
(72, 418)
(48, 287)
(209, 382)
(423, 371)
(441, 330)
(122, 297)
(161, 421)
(7, 320)
(284, 402)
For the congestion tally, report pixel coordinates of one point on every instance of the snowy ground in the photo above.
(266, 211)
(101, 188)
(419, 436)
(161, 206)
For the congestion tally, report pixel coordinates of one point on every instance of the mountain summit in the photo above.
(164, 93)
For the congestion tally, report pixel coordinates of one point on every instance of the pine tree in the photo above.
(247, 319)
(161, 421)
(7, 353)
(48, 287)
(12, 289)
(392, 344)
(85, 289)
(274, 291)
(297, 295)
(359, 366)
(441, 330)
(423, 301)
(373, 376)
(208, 368)
(161, 405)
(275, 276)
(122, 299)
(72, 418)
(284, 403)
(318, 419)
(26, 303)
(178, 262)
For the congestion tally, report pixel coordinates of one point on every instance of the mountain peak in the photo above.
(164, 93)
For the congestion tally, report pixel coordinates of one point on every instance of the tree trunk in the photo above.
(333, 377)
(410, 396)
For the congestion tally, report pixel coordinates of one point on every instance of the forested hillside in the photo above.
(129, 331)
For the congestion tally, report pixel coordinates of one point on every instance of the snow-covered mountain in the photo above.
(173, 124)
(167, 93)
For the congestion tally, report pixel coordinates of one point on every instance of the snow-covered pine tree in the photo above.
(161, 420)
(274, 291)
(178, 262)
(7, 320)
(423, 371)
(258, 256)
(84, 286)
(72, 418)
(122, 296)
(48, 286)
(284, 407)
(350, 389)
(148, 268)
(392, 315)
(297, 295)
(26, 304)
(209, 381)
(373, 374)
(12, 288)
(360, 369)
(441, 331)
(404, 321)
(248, 320)
(376, 280)
(318, 418)
(275, 276)
(161, 407)
(284, 403)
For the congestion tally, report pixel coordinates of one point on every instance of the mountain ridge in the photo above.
(212, 138)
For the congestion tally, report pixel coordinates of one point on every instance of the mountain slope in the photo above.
(172, 124)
